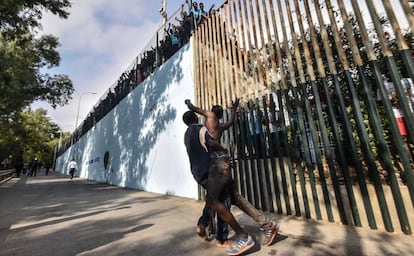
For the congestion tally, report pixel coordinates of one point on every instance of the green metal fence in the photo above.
(326, 128)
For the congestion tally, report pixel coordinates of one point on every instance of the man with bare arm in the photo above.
(212, 120)
(198, 143)
(219, 173)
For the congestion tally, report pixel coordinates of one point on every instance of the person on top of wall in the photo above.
(195, 13)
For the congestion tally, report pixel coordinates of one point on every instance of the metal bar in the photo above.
(221, 42)
(376, 125)
(262, 162)
(277, 55)
(308, 113)
(270, 44)
(216, 61)
(234, 53)
(331, 116)
(337, 42)
(297, 158)
(196, 58)
(259, 73)
(262, 64)
(272, 155)
(253, 108)
(244, 46)
(249, 57)
(293, 88)
(269, 121)
(395, 76)
(321, 121)
(242, 147)
(394, 129)
(363, 135)
(408, 13)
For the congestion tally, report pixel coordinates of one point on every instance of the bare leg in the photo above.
(224, 213)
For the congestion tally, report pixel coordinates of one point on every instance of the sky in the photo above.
(99, 40)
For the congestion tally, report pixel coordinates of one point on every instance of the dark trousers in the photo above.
(33, 171)
(208, 216)
(72, 171)
(18, 171)
(258, 143)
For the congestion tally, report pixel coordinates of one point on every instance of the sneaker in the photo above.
(240, 245)
(270, 231)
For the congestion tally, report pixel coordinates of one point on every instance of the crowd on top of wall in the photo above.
(174, 37)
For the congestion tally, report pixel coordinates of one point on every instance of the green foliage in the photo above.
(25, 59)
(21, 17)
(31, 134)
(25, 56)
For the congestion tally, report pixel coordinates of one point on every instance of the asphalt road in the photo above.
(53, 215)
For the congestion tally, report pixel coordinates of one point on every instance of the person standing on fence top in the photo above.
(203, 13)
(195, 13)
(72, 167)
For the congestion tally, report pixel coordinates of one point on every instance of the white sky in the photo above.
(99, 40)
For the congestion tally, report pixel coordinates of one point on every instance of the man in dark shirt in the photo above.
(198, 141)
(195, 140)
(219, 176)
(197, 150)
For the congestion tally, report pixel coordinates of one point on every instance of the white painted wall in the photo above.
(144, 135)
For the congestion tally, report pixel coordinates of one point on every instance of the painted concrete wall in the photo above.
(143, 135)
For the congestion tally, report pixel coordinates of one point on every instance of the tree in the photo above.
(20, 17)
(31, 134)
(24, 57)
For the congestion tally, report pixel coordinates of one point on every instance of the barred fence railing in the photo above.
(326, 126)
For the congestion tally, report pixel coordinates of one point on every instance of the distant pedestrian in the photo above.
(33, 167)
(47, 167)
(26, 168)
(72, 167)
(18, 166)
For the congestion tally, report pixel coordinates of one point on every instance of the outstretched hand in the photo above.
(187, 102)
(235, 104)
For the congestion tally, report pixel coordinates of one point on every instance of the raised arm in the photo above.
(183, 14)
(229, 123)
(167, 30)
(188, 4)
(211, 9)
(206, 113)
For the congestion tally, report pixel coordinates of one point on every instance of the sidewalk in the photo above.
(52, 215)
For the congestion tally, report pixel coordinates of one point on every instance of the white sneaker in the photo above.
(240, 245)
